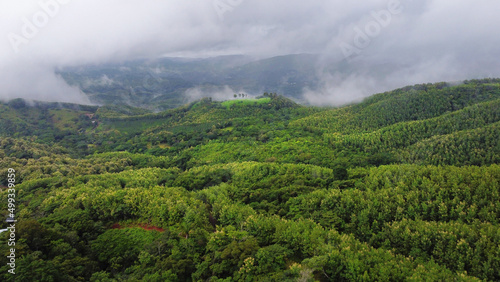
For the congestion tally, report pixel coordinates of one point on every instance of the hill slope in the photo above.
(405, 185)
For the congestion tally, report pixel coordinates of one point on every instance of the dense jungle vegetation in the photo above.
(402, 186)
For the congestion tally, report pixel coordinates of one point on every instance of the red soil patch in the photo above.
(140, 225)
(151, 227)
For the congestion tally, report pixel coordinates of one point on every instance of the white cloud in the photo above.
(458, 36)
(217, 93)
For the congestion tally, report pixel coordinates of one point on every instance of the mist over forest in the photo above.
(233, 140)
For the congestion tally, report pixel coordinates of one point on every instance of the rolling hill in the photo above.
(402, 186)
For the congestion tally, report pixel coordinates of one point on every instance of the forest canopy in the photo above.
(402, 186)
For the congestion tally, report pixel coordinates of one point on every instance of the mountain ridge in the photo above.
(404, 184)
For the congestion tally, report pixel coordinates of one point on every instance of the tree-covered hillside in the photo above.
(403, 186)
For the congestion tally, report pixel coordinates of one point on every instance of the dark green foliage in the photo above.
(403, 186)
(458, 246)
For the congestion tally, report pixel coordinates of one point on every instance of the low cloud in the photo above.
(363, 79)
(217, 93)
(429, 40)
(104, 80)
(338, 89)
(36, 83)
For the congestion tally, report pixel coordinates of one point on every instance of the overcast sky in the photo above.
(415, 41)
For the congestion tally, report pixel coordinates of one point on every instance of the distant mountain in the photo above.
(161, 84)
